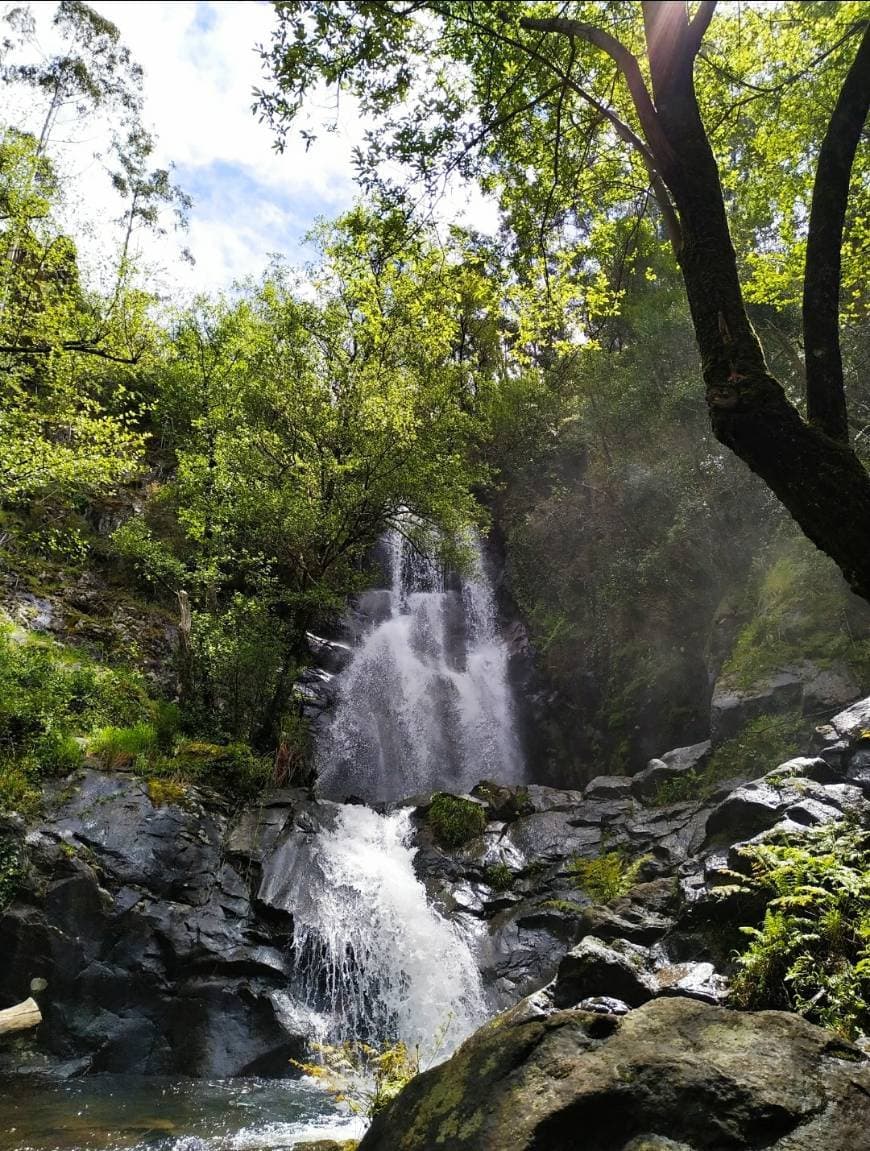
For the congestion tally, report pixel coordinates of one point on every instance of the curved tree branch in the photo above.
(699, 24)
(627, 64)
(826, 399)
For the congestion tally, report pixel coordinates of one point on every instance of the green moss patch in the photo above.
(455, 821)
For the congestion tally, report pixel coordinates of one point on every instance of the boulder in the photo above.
(671, 765)
(849, 724)
(732, 708)
(592, 968)
(675, 1073)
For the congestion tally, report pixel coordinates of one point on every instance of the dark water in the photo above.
(123, 1113)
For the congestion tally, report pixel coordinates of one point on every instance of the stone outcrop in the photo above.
(156, 929)
(138, 919)
(673, 1074)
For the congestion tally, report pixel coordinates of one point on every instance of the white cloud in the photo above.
(201, 67)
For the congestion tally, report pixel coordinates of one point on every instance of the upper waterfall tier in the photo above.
(425, 702)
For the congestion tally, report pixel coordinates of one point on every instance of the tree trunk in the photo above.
(20, 1017)
(818, 478)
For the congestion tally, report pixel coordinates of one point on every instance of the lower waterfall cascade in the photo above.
(375, 960)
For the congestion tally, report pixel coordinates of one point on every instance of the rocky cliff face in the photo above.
(153, 924)
(140, 917)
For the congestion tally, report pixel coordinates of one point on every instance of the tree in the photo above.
(301, 429)
(94, 74)
(565, 110)
(72, 353)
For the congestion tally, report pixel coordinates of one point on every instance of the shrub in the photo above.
(19, 789)
(454, 820)
(118, 747)
(231, 767)
(811, 953)
(607, 877)
(499, 877)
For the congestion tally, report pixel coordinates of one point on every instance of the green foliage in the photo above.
(454, 820)
(499, 877)
(120, 747)
(799, 610)
(811, 954)
(231, 768)
(150, 558)
(763, 743)
(363, 1077)
(608, 877)
(166, 791)
(49, 699)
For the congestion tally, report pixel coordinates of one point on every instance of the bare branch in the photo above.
(80, 346)
(628, 66)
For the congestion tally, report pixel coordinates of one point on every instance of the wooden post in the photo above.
(20, 1017)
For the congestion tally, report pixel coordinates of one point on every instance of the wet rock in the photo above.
(330, 654)
(673, 1073)
(758, 806)
(693, 980)
(849, 724)
(503, 803)
(604, 1005)
(732, 708)
(553, 799)
(672, 765)
(592, 968)
(155, 959)
(522, 949)
(552, 834)
(608, 787)
(826, 688)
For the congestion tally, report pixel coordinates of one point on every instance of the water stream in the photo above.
(375, 960)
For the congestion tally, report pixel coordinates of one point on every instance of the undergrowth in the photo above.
(811, 953)
(58, 705)
(764, 742)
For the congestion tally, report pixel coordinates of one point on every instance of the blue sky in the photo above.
(201, 66)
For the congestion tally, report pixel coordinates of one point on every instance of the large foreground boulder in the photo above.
(674, 1072)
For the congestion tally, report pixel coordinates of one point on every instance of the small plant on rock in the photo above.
(363, 1077)
(607, 877)
(499, 877)
(119, 747)
(454, 820)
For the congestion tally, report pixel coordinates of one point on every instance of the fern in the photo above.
(811, 954)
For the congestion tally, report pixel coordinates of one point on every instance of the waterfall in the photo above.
(374, 960)
(425, 702)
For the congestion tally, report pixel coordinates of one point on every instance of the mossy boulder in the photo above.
(673, 1072)
(455, 820)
